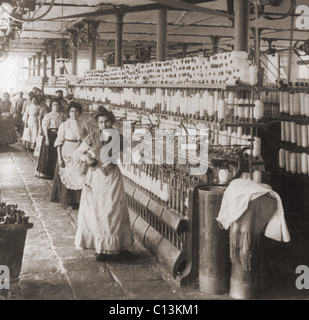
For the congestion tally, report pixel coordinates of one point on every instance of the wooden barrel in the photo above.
(214, 264)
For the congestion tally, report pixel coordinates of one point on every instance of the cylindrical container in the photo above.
(214, 264)
(247, 264)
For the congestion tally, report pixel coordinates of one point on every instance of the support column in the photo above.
(92, 34)
(74, 70)
(30, 67)
(184, 50)
(38, 65)
(215, 42)
(44, 66)
(52, 64)
(119, 40)
(162, 35)
(75, 49)
(242, 24)
(33, 66)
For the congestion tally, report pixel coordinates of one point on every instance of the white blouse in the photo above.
(71, 130)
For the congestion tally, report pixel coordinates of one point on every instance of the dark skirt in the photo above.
(61, 194)
(48, 156)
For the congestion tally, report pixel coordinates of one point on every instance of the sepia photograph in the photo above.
(154, 151)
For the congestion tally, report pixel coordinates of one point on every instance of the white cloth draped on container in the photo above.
(235, 202)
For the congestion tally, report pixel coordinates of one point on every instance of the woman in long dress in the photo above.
(8, 120)
(45, 107)
(69, 176)
(26, 103)
(31, 121)
(48, 152)
(103, 219)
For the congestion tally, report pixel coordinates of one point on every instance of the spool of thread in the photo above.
(244, 140)
(197, 102)
(230, 100)
(224, 137)
(233, 138)
(249, 141)
(298, 134)
(245, 175)
(298, 162)
(256, 147)
(287, 160)
(282, 130)
(258, 110)
(281, 101)
(293, 131)
(224, 175)
(221, 109)
(241, 110)
(216, 99)
(304, 163)
(286, 102)
(247, 109)
(296, 104)
(236, 107)
(304, 136)
(302, 103)
(210, 105)
(239, 135)
(257, 176)
(282, 158)
(253, 75)
(291, 97)
(287, 131)
(293, 162)
(307, 104)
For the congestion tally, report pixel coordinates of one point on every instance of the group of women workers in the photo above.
(70, 154)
